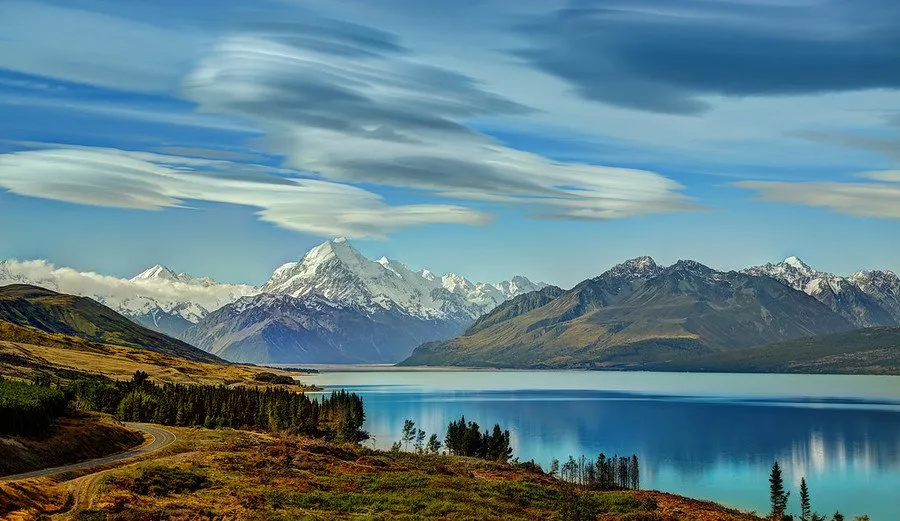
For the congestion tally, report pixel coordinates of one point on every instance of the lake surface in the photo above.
(711, 436)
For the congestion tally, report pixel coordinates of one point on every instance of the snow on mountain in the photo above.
(336, 271)
(157, 297)
(857, 298)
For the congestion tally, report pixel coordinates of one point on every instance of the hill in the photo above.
(82, 317)
(864, 351)
(637, 313)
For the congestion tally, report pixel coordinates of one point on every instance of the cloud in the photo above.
(120, 292)
(351, 105)
(670, 57)
(147, 181)
(885, 145)
(872, 199)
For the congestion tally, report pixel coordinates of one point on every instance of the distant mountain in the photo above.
(864, 351)
(637, 312)
(336, 306)
(52, 312)
(868, 298)
(157, 298)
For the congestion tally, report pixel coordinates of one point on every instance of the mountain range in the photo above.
(333, 305)
(639, 313)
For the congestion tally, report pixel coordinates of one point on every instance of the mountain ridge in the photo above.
(638, 306)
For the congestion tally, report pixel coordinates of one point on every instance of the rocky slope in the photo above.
(635, 313)
(868, 298)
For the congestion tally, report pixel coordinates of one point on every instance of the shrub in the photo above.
(163, 481)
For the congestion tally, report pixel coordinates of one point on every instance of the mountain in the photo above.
(157, 298)
(336, 306)
(634, 313)
(864, 351)
(52, 312)
(866, 299)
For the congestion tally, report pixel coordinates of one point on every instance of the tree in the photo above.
(409, 432)
(837, 517)
(433, 446)
(554, 467)
(805, 510)
(395, 447)
(777, 495)
(420, 441)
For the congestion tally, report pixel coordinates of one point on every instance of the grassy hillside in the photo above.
(85, 318)
(26, 352)
(865, 351)
(77, 437)
(239, 475)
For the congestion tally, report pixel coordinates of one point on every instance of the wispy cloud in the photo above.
(146, 181)
(860, 199)
(350, 104)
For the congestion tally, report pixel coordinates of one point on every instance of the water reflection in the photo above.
(715, 447)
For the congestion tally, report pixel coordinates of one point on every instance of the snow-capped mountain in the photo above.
(335, 305)
(157, 298)
(338, 272)
(867, 298)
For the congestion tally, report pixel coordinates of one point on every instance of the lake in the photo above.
(711, 436)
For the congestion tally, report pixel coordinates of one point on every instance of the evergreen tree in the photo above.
(409, 432)
(554, 467)
(805, 510)
(837, 517)
(420, 441)
(635, 473)
(433, 446)
(777, 495)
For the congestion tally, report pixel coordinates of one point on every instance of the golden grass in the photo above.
(35, 351)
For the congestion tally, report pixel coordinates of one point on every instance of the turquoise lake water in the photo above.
(711, 436)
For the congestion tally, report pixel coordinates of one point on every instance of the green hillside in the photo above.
(85, 318)
(864, 351)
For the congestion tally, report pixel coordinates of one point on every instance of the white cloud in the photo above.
(388, 119)
(122, 294)
(147, 181)
(874, 199)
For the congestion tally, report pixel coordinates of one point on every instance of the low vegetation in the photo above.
(272, 378)
(240, 475)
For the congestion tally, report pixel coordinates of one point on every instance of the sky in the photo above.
(550, 138)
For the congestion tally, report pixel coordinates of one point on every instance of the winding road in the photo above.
(161, 439)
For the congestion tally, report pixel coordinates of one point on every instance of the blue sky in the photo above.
(489, 138)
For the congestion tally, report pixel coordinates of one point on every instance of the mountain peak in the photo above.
(638, 267)
(796, 263)
(158, 272)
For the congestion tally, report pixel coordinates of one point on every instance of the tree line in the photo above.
(606, 473)
(462, 439)
(273, 409)
(29, 408)
(778, 498)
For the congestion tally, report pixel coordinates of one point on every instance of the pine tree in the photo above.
(409, 432)
(554, 467)
(420, 441)
(777, 495)
(433, 446)
(805, 510)
(837, 517)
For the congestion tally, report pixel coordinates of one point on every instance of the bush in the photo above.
(272, 378)
(27, 409)
(163, 481)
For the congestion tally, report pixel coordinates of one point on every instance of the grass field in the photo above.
(25, 352)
